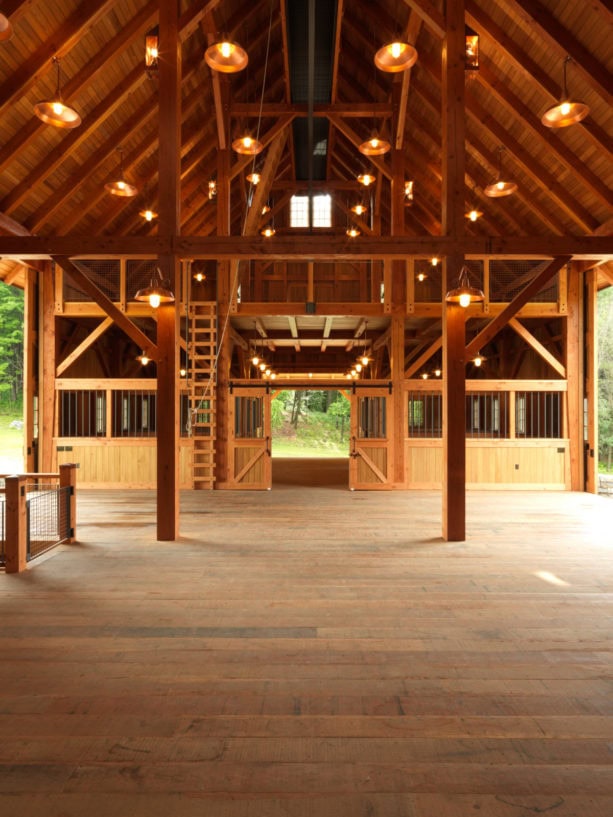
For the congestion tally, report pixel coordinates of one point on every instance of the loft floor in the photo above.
(313, 652)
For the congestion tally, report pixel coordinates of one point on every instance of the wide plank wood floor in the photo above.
(313, 652)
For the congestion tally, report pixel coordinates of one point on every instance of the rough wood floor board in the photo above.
(313, 653)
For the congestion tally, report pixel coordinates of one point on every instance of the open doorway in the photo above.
(310, 437)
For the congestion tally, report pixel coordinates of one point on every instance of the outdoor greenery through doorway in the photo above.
(310, 423)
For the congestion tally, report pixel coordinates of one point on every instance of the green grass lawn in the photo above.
(288, 448)
(11, 443)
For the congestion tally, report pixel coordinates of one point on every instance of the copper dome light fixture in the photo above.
(395, 57)
(375, 146)
(55, 111)
(6, 29)
(226, 56)
(498, 187)
(566, 112)
(247, 145)
(464, 293)
(158, 292)
(120, 187)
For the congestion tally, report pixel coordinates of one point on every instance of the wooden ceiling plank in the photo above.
(120, 318)
(552, 142)
(538, 347)
(431, 16)
(510, 311)
(482, 23)
(563, 43)
(340, 124)
(58, 155)
(21, 81)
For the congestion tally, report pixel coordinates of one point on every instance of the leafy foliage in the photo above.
(11, 344)
(605, 377)
(313, 419)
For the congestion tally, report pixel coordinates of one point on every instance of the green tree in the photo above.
(605, 376)
(11, 344)
(341, 409)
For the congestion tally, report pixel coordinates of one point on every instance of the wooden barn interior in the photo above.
(315, 183)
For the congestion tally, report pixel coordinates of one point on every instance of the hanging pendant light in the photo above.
(247, 145)
(158, 292)
(499, 187)
(352, 231)
(395, 57)
(375, 146)
(120, 187)
(152, 51)
(226, 56)
(474, 213)
(148, 214)
(464, 294)
(409, 192)
(366, 179)
(566, 112)
(359, 209)
(478, 359)
(268, 232)
(55, 111)
(254, 177)
(6, 29)
(143, 358)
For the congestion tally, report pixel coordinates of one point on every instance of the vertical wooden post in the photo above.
(454, 424)
(168, 314)
(574, 377)
(224, 359)
(452, 217)
(398, 297)
(591, 380)
(68, 479)
(15, 548)
(47, 400)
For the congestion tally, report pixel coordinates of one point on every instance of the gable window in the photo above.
(322, 211)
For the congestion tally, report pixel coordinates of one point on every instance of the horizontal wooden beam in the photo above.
(538, 347)
(309, 247)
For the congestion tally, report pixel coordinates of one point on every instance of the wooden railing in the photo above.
(15, 509)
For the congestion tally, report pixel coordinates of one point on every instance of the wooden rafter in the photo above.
(538, 347)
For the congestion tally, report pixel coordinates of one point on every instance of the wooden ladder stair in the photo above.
(201, 348)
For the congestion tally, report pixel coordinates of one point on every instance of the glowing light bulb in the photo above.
(437, 372)
(226, 49)
(421, 277)
(396, 50)
(182, 372)
(500, 185)
(434, 261)
(200, 277)
(473, 215)
(262, 367)
(154, 300)
(121, 184)
(358, 209)
(57, 108)
(273, 376)
(464, 299)
(267, 372)
(565, 108)
(424, 376)
(374, 142)
(364, 360)
(358, 367)
(247, 141)
(255, 360)
(478, 360)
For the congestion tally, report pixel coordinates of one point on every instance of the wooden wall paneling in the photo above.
(224, 347)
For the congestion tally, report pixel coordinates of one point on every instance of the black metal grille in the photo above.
(487, 415)
(508, 277)
(48, 518)
(425, 414)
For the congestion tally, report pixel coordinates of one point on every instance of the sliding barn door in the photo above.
(371, 453)
(250, 440)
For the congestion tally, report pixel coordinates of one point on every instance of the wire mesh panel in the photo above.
(425, 414)
(508, 277)
(82, 413)
(48, 518)
(139, 273)
(372, 418)
(538, 415)
(134, 413)
(487, 415)
(104, 273)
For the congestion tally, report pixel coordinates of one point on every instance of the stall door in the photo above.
(250, 439)
(370, 460)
